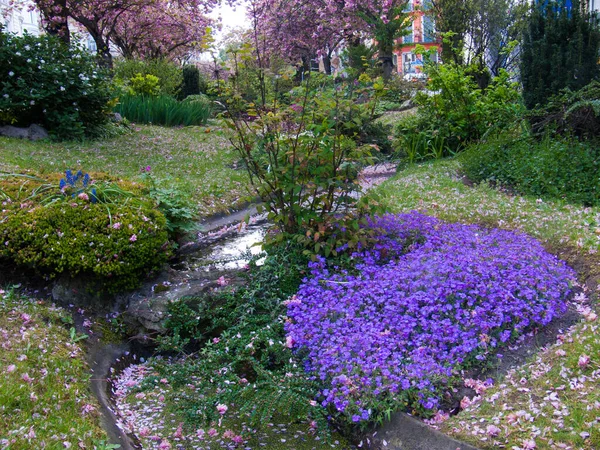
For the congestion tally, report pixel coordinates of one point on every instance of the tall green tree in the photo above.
(560, 50)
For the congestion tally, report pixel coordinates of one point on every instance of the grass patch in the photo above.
(553, 401)
(438, 189)
(44, 396)
(197, 160)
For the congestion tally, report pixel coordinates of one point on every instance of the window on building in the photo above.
(408, 62)
(428, 29)
(409, 38)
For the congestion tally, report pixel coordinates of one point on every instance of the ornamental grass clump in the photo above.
(431, 299)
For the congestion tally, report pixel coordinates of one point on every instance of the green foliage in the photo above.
(560, 50)
(568, 112)
(303, 161)
(456, 112)
(114, 244)
(245, 361)
(144, 85)
(173, 204)
(59, 87)
(163, 110)
(191, 81)
(550, 168)
(169, 74)
(359, 58)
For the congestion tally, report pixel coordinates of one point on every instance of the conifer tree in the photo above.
(560, 50)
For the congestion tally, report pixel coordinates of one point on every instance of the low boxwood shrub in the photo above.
(429, 300)
(163, 110)
(80, 233)
(560, 168)
(45, 82)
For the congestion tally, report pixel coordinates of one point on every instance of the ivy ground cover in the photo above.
(431, 299)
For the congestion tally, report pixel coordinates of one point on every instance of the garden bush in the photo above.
(169, 74)
(59, 87)
(193, 82)
(144, 85)
(551, 168)
(429, 300)
(569, 113)
(77, 227)
(163, 110)
(455, 112)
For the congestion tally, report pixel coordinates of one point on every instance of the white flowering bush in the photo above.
(59, 87)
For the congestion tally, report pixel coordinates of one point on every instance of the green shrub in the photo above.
(47, 83)
(456, 112)
(551, 168)
(303, 160)
(169, 74)
(569, 112)
(144, 85)
(559, 50)
(163, 110)
(245, 361)
(191, 81)
(114, 244)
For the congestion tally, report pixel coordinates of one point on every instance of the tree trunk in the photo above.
(103, 55)
(327, 64)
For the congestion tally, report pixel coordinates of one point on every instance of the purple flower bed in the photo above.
(430, 299)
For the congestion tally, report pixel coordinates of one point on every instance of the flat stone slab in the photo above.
(404, 432)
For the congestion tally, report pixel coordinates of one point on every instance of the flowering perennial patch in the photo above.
(430, 299)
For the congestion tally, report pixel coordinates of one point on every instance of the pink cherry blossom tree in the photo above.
(142, 28)
(310, 26)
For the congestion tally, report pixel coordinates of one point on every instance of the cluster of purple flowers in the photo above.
(429, 299)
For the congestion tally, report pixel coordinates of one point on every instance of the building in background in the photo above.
(421, 32)
(20, 20)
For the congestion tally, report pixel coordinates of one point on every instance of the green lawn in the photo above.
(45, 401)
(197, 160)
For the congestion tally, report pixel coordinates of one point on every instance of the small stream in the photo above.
(220, 251)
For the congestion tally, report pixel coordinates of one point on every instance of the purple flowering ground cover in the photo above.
(431, 299)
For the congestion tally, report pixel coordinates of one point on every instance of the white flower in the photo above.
(62, 88)
(27, 47)
(32, 102)
(6, 96)
(11, 74)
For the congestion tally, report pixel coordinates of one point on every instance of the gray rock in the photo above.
(117, 118)
(33, 132)
(404, 432)
(148, 307)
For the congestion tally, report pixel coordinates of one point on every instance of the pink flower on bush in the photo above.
(222, 409)
(133, 238)
(117, 225)
(83, 196)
